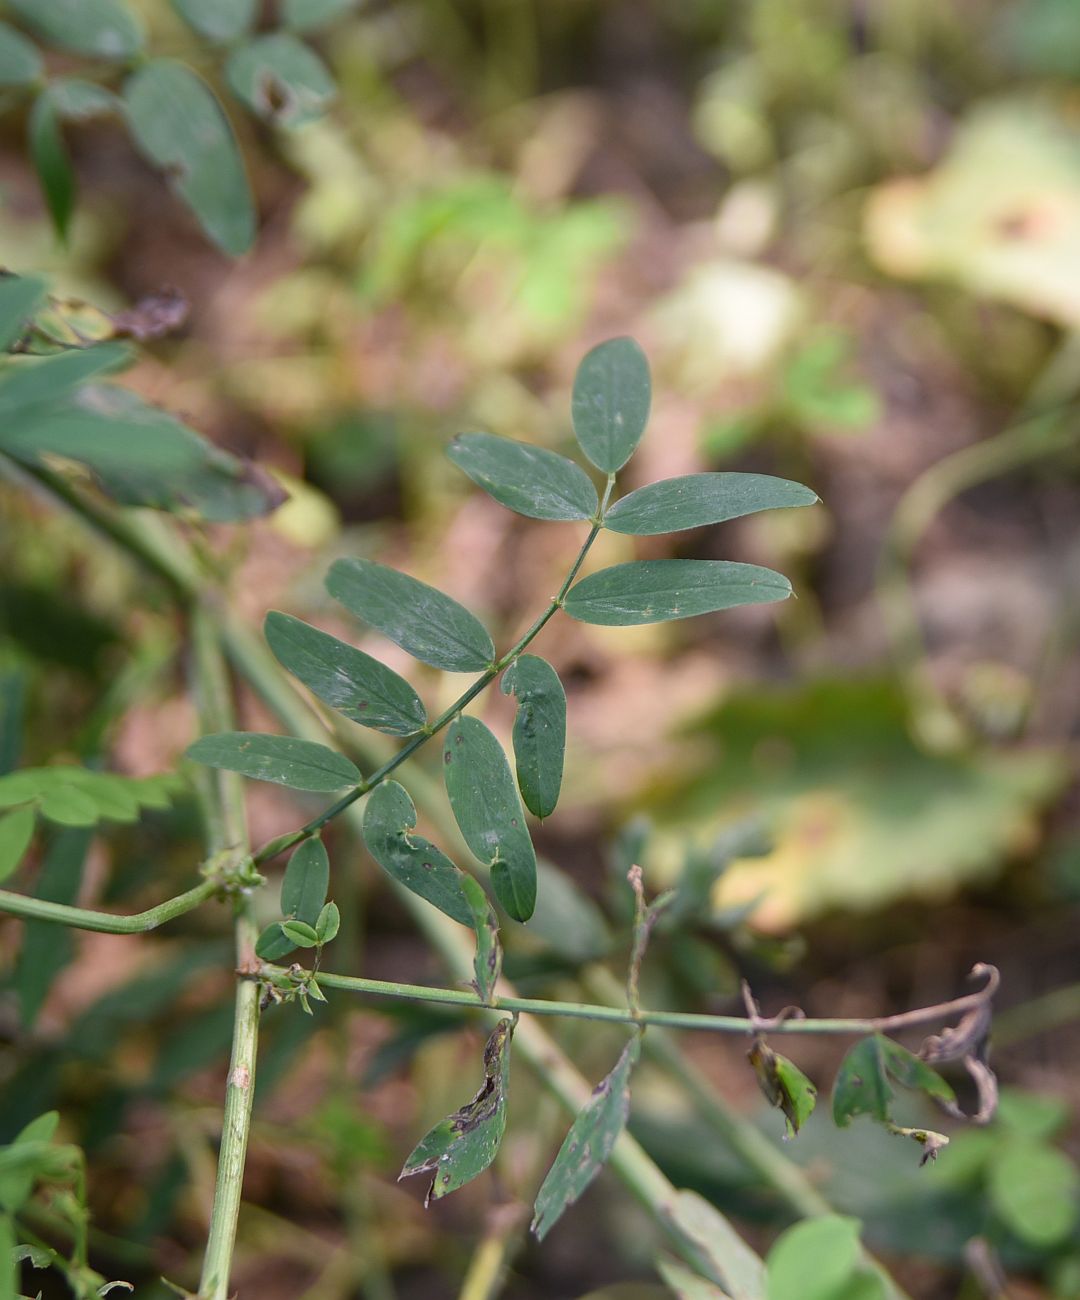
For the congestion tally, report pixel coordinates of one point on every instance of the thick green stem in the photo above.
(223, 802)
(81, 918)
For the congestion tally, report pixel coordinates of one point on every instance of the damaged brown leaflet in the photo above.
(781, 1081)
(969, 1042)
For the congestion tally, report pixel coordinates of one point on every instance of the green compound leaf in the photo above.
(429, 625)
(281, 79)
(784, 1085)
(413, 861)
(16, 832)
(274, 943)
(220, 21)
(31, 381)
(299, 764)
(20, 62)
(489, 814)
(307, 15)
(699, 499)
(75, 796)
(1035, 1190)
(104, 29)
(906, 1069)
(141, 456)
(347, 679)
(306, 880)
(589, 1143)
(178, 124)
(610, 406)
(654, 591)
(861, 1087)
(327, 926)
(488, 961)
(302, 935)
(539, 731)
(529, 480)
(20, 297)
(463, 1145)
(821, 1259)
(51, 162)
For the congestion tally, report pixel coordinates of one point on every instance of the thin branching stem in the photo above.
(82, 918)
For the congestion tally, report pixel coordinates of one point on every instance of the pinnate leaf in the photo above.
(539, 731)
(78, 796)
(529, 480)
(462, 1146)
(589, 1143)
(428, 624)
(284, 760)
(699, 499)
(306, 880)
(413, 861)
(179, 125)
(610, 406)
(655, 591)
(489, 814)
(280, 79)
(347, 679)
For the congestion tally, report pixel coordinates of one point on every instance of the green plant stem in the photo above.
(223, 802)
(287, 841)
(81, 918)
(624, 1016)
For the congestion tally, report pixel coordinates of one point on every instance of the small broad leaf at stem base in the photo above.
(529, 480)
(328, 923)
(696, 500)
(488, 811)
(413, 861)
(589, 1143)
(422, 620)
(655, 591)
(304, 936)
(284, 760)
(306, 880)
(539, 731)
(462, 1146)
(610, 405)
(347, 679)
(274, 943)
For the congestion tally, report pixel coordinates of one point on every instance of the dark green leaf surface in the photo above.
(306, 880)
(307, 15)
(281, 79)
(816, 1260)
(1035, 1190)
(299, 764)
(861, 1087)
(51, 162)
(221, 21)
(539, 731)
(530, 480)
(413, 861)
(274, 943)
(20, 62)
(699, 499)
(347, 679)
(589, 1143)
(463, 1145)
(911, 1072)
(104, 29)
(488, 961)
(179, 125)
(429, 625)
(142, 456)
(36, 380)
(610, 407)
(488, 811)
(654, 591)
(20, 297)
(16, 832)
(328, 924)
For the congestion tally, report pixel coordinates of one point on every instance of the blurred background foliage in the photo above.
(847, 233)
